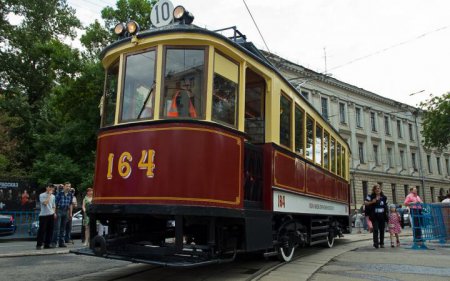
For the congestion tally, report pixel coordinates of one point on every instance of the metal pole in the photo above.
(421, 174)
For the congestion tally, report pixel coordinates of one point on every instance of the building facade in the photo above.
(384, 136)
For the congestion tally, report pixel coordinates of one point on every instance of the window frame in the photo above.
(303, 130)
(116, 63)
(206, 50)
(324, 101)
(313, 137)
(373, 121)
(124, 74)
(236, 113)
(291, 101)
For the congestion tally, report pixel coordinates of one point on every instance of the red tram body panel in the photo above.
(193, 165)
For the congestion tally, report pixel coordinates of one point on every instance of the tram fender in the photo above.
(258, 232)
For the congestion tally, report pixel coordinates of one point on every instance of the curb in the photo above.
(34, 253)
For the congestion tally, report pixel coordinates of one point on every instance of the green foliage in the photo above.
(436, 121)
(50, 92)
(138, 10)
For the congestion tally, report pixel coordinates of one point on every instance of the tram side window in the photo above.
(285, 121)
(333, 155)
(339, 159)
(138, 89)
(226, 78)
(309, 137)
(344, 164)
(299, 130)
(183, 95)
(109, 99)
(319, 148)
(326, 143)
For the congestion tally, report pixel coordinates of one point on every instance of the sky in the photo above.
(393, 48)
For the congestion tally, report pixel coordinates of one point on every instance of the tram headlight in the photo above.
(132, 27)
(119, 29)
(180, 14)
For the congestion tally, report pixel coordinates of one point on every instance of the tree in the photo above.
(33, 60)
(436, 121)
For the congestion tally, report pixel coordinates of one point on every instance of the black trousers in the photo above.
(417, 223)
(379, 223)
(45, 231)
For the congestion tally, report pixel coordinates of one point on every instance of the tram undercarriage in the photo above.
(194, 238)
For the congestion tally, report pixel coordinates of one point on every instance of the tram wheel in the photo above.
(287, 242)
(330, 240)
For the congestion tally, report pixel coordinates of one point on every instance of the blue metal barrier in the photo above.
(430, 222)
(23, 221)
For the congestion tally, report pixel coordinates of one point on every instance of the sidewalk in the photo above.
(28, 248)
(358, 260)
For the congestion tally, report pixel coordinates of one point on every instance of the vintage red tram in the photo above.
(206, 150)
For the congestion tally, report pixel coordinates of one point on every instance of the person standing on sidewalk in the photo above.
(377, 202)
(63, 213)
(86, 202)
(68, 235)
(46, 218)
(413, 201)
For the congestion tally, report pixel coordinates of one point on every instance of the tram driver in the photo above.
(181, 105)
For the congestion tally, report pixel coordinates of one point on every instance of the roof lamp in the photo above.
(132, 27)
(119, 29)
(180, 14)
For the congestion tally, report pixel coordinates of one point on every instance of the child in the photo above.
(358, 221)
(394, 225)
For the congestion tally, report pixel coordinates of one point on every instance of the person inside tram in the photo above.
(182, 105)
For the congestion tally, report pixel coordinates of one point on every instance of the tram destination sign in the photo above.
(162, 13)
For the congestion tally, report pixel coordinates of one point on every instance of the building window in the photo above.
(358, 117)
(394, 194)
(413, 159)
(375, 155)
(365, 188)
(361, 152)
(373, 121)
(305, 94)
(429, 164)
(285, 121)
(447, 164)
(387, 126)
(432, 194)
(399, 129)
(324, 107)
(410, 129)
(438, 162)
(402, 159)
(389, 157)
(342, 112)
(406, 189)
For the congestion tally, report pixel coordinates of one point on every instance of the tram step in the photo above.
(318, 242)
(323, 220)
(323, 234)
(319, 227)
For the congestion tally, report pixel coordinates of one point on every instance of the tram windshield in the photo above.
(138, 90)
(108, 104)
(183, 93)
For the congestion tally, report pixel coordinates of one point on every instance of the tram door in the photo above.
(255, 89)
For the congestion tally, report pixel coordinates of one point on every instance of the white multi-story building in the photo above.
(384, 135)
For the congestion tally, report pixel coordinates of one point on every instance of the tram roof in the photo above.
(240, 43)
